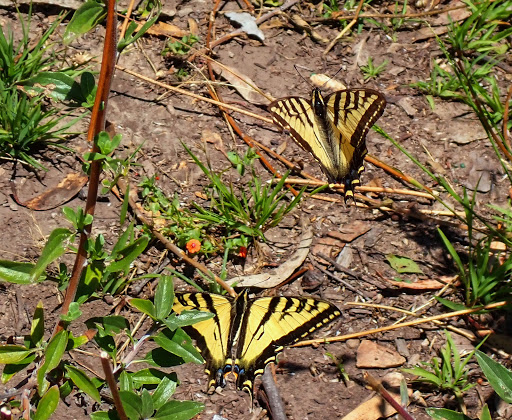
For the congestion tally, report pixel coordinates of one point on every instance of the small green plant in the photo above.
(234, 217)
(30, 87)
(447, 372)
(272, 3)
(340, 366)
(485, 279)
(370, 71)
(472, 50)
(329, 7)
(182, 47)
(499, 377)
(144, 393)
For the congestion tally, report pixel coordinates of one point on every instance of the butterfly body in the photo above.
(246, 334)
(332, 128)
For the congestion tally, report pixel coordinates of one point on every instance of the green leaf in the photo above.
(82, 381)
(179, 410)
(104, 415)
(129, 254)
(86, 17)
(403, 264)
(144, 306)
(424, 375)
(158, 357)
(48, 404)
(132, 404)
(164, 297)
(88, 87)
(125, 381)
(486, 414)
(57, 85)
(54, 248)
(498, 376)
(124, 206)
(147, 377)
(12, 369)
(74, 312)
(187, 317)
(110, 324)
(65, 389)
(52, 357)
(74, 342)
(179, 343)
(163, 392)
(37, 328)
(445, 414)
(454, 306)
(147, 404)
(13, 354)
(17, 272)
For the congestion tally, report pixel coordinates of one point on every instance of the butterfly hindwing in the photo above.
(332, 129)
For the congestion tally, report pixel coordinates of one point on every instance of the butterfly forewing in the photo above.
(353, 112)
(212, 335)
(295, 115)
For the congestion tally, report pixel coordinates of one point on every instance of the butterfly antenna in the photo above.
(331, 78)
(296, 67)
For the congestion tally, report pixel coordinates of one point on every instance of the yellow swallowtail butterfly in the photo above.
(245, 334)
(332, 129)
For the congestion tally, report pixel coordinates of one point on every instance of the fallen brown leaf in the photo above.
(350, 232)
(242, 83)
(165, 29)
(58, 195)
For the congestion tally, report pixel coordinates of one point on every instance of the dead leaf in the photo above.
(371, 355)
(329, 246)
(322, 80)
(373, 409)
(201, 195)
(282, 147)
(300, 23)
(247, 23)
(56, 196)
(192, 26)
(242, 83)
(165, 29)
(350, 232)
(285, 270)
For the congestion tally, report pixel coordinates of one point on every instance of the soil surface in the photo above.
(449, 139)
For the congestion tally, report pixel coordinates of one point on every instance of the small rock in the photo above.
(503, 409)
(373, 355)
(401, 346)
(393, 379)
(185, 11)
(405, 103)
(352, 343)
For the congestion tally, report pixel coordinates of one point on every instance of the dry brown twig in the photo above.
(346, 29)
(401, 325)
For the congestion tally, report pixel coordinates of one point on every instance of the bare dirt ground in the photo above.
(449, 139)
